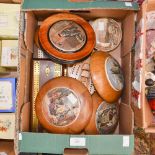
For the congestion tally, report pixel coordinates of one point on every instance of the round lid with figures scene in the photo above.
(63, 105)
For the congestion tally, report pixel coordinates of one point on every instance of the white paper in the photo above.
(20, 136)
(128, 4)
(126, 141)
(76, 141)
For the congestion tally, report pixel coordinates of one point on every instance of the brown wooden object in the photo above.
(107, 76)
(64, 105)
(66, 38)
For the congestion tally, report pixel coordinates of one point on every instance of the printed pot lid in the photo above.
(66, 38)
(108, 34)
(107, 76)
(104, 119)
(63, 105)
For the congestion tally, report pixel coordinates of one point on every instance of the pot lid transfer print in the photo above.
(67, 36)
(61, 106)
(114, 74)
(106, 118)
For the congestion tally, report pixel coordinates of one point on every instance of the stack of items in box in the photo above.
(9, 29)
(85, 96)
(150, 60)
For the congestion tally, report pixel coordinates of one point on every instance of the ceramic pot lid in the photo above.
(63, 105)
(107, 76)
(66, 38)
(108, 34)
(104, 119)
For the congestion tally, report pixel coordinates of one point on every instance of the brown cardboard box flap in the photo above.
(75, 152)
(7, 147)
(126, 121)
(128, 35)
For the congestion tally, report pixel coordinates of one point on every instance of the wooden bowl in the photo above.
(104, 119)
(63, 105)
(107, 76)
(66, 38)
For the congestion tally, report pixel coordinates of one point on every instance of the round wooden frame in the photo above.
(55, 53)
(85, 105)
(99, 77)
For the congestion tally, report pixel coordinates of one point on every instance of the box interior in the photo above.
(122, 54)
(7, 147)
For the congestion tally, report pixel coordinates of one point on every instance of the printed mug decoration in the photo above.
(63, 105)
(107, 76)
(66, 38)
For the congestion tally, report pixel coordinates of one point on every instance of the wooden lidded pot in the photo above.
(63, 105)
(104, 119)
(107, 76)
(66, 38)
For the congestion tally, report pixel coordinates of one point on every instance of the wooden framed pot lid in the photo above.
(107, 76)
(104, 119)
(108, 34)
(66, 38)
(63, 105)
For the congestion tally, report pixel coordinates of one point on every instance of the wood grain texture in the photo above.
(99, 77)
(47, 46)
(91, 127)
(85, 105)
(36, 39)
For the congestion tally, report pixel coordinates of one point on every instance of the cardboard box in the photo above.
(55, 143)
(9, 53)
(9, 20)
(142, 111)
(7, 126)
(7, 147)
(7, 94)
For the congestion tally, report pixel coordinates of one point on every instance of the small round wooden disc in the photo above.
(108, 34)
(104, 119)
(63, 105)
(67, 37)
(107, 76)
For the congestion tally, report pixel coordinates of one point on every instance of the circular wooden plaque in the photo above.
(107, 76)
(105, 117)
(66, 38)
(63, 105)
